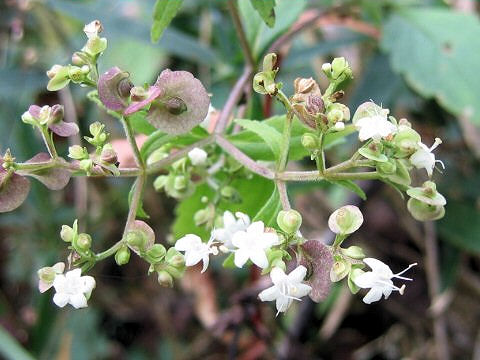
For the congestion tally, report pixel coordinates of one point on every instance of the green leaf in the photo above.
(11, 348)
(436, 61)
(259, 35)
(229, 263)
(269, 134)
(460, 226)
(269, 211)
(254, 146)
(266, 9)
(163, 13)
(350, 185)
(140, 124)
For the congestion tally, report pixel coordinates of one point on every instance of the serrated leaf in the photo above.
(266, 9)
(350, 185)
(436, 61)
(163, 13)
(269, 134)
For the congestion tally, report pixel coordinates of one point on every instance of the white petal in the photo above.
(206, 261)
(387, 291)
(78, 301)
(269, 239)
(239, 239)
(379, 267)
(241, 257)
(59, 267)
(228, 219)
(277, 275)
(256, 227)
(366, 280)
(259, 258)
(219, 234)
(59, 283)
(283, 303)
(269, 294)
(373, 295)
(61, 299)
(192, 258)
(297, 275)
(88, 284)
(185, 243)
(302, 290)
(73, 274)
(244, 218)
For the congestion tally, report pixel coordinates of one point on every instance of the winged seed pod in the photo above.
(114, 89)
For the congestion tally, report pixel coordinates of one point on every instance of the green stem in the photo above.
(282, 162)
(133, 144)
(47, 139)
(320, 156)
(315, 176)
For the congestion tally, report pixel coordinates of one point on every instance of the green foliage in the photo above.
(266, 9)
(163, 14)
(269, 211)
(11, 349)
(269, 134)
(436, 61)
(350, 185)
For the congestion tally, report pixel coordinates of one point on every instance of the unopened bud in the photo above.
(180, 182)
(160, 182)
(339, 126)
(109, 155)
(157, 252)
(355, 252)
(54, 71)
(289, 221)
(165, 279)
(175, 106)
(122, 256)
(269, 62)
(78, 59)
(67, 233)
(177, 261)
(138, 93)
(135, 239)
(345, 220)
(309, 141)
(339, 270)
(77, 152)
(56, 114)
(84, 241)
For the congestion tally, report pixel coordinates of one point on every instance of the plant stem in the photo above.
(315, 176)
(320, 156)
(282, 191)
(282, 163)
(247, 51)
(133, 144)
(47, 139)
(349, 164)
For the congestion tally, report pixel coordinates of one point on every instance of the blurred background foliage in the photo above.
(418, 58)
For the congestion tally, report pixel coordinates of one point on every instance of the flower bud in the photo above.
(138, 93)
(56, 114)
(406, 140)
(67, 233)
(177, 261)
(339, 270)
(327, 69)
(86, 165)
(78, 59)
(425, 212)
(373, 151)
(387, 167)
(180, 182)
(156, 252)
(77, 152)
(95, 45)
(27, 118)
(354, 252)
(59, 77)
(160, 182)
(135, 239)
(76, 74)
(289, 221)
(345, 220)
(339, 126)
(96, 128)
(427, 194)
(228, 192)
(54, 70)
(165, 279)
(339, 65)
(109, 155)
(310, 141)
(197, 156)
(338, 112)
(84, 241)
(269, 62)
(122, 256)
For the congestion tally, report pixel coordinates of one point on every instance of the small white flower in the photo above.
(93, 29)
(379, 280)
(73, 288)
(423, 157)
(197, 156)
(374, 127)
(252, 243)
(196, 250)
(286, 288)
(231, 224)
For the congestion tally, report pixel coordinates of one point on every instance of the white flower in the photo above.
(252, 244)
(339, 126)
(230, 226)
(197, 156)
(286, 288)
(374, 127)
(423, 157)
(73, 288)
(47, 276)
(196, 250)
(379, 280)
(93, 29)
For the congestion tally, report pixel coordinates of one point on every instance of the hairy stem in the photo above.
(283, 160)
(282, 191)
(47, 139)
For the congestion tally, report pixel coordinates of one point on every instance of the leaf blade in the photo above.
(266, 10)
(163, 13)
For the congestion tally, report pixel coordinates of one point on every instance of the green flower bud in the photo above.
(180, 182)
(165, 279)
(177, 261)
(59, 77)
(77, 152)
(95, 45)
(406, 141)
(160, 182)
(373, 151)
(264, 83)
(84, 241)
(86, 165)
(269, 62)
(67, 233)
(345, 220)
(310, 141)
(340, 68)
(156, 252)
(289, 221)
(338, 112)
(354, 252)
(122, 256)
(339, 270)
(135, 239)
(76, 74)
(427, 194)
(96, 128)
(79, 59)
(388, 167)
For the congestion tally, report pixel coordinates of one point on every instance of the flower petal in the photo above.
(277, 275)
(206, 261)
(228, 219)
(88, 284)
(268, 240)
(259, 258)
(61, 299)
(192, 258)
(283, 303)
(302, 290)
(78, 301)
(379, 267)
(185, 243)
(241, 257)
(239, 239)
(373, 295)
(366, 280)
(269, 294)
(297, 275)
(256, 227)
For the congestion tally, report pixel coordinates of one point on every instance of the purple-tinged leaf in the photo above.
(318, 259)
(13, 190)
(52, 178)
